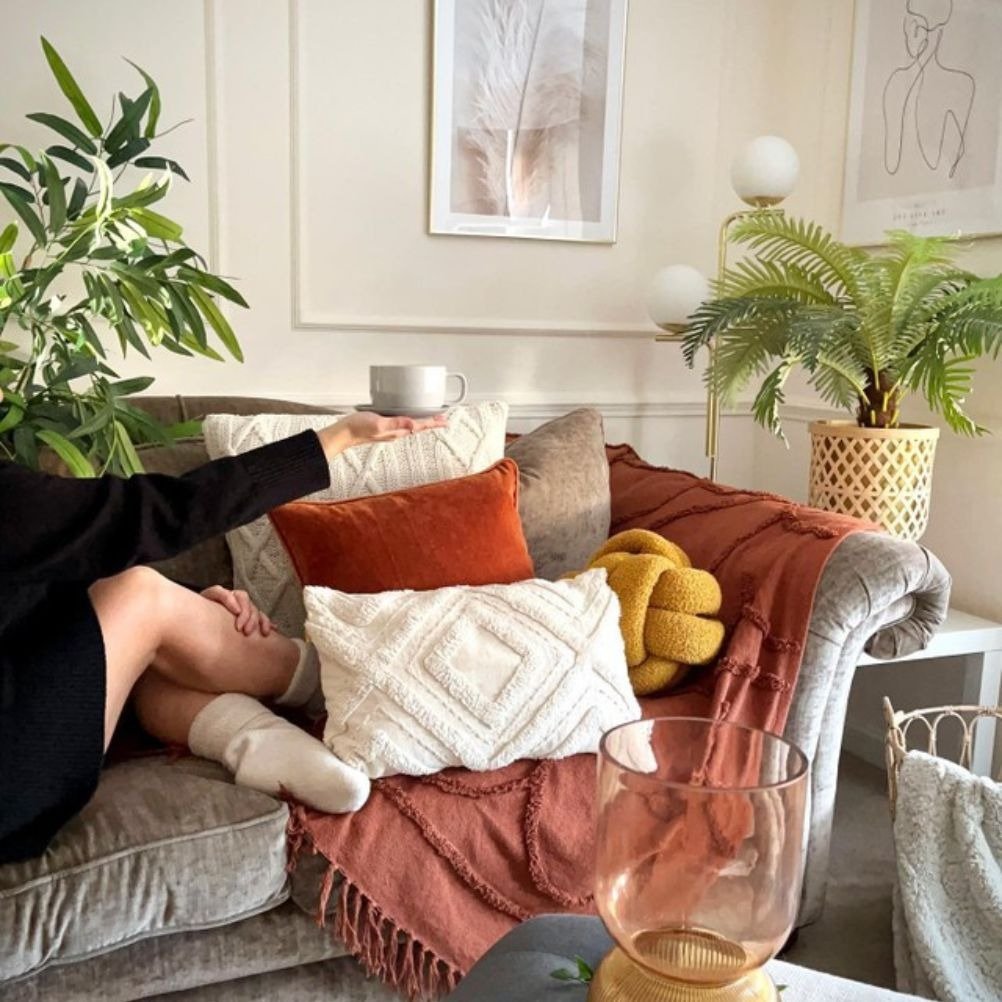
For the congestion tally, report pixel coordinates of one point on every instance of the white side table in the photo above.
(977, 644)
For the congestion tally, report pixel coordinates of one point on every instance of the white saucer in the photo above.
(402, 411)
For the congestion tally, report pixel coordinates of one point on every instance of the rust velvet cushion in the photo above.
(464, 531)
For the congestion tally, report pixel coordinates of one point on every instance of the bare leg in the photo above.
(148, 621)
(195, 677)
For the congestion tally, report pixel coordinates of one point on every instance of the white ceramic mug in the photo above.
(423, 387)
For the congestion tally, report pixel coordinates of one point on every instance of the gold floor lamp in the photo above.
(763, 173)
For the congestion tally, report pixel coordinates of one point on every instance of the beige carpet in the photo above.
(853, 937)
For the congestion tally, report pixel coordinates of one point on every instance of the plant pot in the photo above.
(883, 475)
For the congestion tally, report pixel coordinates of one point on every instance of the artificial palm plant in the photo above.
(868, 328)
(83, 258)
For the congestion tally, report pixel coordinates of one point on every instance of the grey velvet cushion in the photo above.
(162, 847)
(564, 491)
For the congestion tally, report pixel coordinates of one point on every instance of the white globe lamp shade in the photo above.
(674, 295)
(765, 171)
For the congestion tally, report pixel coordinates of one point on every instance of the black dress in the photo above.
(57, 537)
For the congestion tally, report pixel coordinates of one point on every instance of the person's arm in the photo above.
(57, 528)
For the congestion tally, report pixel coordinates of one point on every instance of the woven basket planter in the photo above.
(883, 475)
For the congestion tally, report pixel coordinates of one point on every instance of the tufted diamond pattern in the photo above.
(476, 677)
(472, 441)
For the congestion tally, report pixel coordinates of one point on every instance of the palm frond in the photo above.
(819, 330)
(789, 242)
(745, 351)
(839, 379)
(754, 277)
(716, 316)
(770, 397)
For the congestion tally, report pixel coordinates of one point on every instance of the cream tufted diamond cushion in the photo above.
(479, 677)
(473, 441)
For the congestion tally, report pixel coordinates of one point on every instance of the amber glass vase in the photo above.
(699, 859)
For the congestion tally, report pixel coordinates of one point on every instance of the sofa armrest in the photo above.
(877, 594)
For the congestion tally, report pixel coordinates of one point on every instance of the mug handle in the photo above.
(462, 387)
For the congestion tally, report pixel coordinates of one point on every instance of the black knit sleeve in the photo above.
(58, 528)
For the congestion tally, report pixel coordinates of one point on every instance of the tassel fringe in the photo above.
(384, 949)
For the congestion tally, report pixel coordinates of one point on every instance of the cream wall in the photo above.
(308, 154)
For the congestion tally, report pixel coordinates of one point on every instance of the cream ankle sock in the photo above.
(267, 753)
(304, 689)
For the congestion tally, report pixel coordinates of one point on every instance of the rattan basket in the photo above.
(922, 729)
(883, 475)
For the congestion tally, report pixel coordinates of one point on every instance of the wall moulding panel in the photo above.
(361, 257)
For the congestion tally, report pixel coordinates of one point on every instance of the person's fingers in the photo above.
(265, 624)
(245, 614)
(224, 597)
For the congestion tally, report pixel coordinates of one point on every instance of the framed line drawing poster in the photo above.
(527, 101)
(924, 149)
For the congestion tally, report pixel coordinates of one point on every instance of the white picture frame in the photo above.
(924, 145)
(526, 124)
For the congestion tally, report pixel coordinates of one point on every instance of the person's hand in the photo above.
(247, 618)
(365, 427)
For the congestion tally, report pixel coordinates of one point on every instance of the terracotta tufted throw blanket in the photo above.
(433, 871)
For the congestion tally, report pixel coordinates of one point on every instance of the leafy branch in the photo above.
(82, 260)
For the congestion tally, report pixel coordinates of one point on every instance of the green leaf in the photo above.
(57, 195)
(184, 429)
(71, 89)
(25, 154)
(213, 283)
(217, 321)
(11, 419)
(16, 167)
(131, 460)
(127, 127)
(65, 129)
(154, 115)
(161, 163)
(8, 237)
(77, 198)
(127, 387)
(16, 191)
(128, 151)
(71, 157)
(156, 225)
(27, 214)
(98, 421)
(77, 462)
(25, 446)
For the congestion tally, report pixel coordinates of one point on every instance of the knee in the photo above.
(141, 590)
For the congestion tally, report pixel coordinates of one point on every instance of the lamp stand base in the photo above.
(621, 979)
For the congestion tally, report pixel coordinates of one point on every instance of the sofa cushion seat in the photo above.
(162, 847)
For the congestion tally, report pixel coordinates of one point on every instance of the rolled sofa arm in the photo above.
(877, 594)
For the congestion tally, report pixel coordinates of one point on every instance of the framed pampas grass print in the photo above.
(527, 103)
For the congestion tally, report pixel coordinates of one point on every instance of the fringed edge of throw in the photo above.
(384, 948)
(387, 951)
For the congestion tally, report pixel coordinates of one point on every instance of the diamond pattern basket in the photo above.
(880, 474)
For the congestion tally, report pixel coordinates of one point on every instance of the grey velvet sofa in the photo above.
(172, 881)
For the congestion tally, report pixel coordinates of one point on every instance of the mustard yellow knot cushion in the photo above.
(666, 608)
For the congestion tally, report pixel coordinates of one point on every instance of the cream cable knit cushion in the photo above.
(473, 441)
(478, 677)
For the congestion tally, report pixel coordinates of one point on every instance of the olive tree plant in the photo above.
(87, 261)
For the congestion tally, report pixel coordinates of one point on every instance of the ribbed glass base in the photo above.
(621, 979)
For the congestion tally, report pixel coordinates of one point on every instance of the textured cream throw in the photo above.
(476, 677)
(473, 441)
